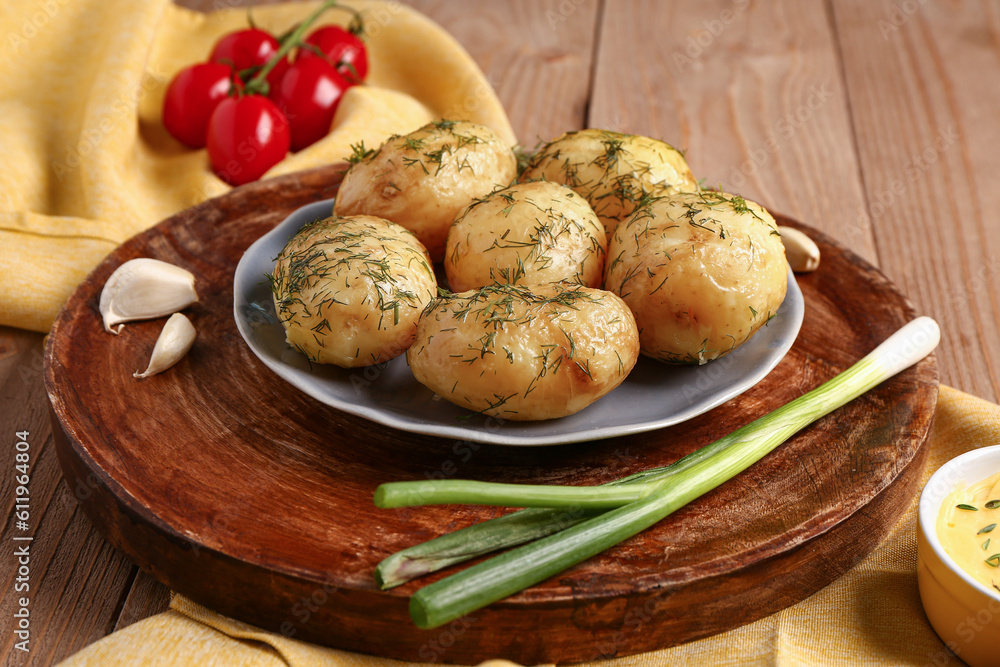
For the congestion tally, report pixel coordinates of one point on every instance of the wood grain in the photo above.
(927, 141)
(248, 496)
(146, 597)
(72, 566)
(751, 90)
(900, 88)
(537, 55)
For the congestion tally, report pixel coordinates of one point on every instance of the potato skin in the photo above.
(349, 290)
(612, 170)
(423, 179)
(525, 353)
(701, 271)
(528, 234)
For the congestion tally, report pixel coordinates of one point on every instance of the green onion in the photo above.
(506, 531)
(495, 534)
(510, 572)
(500, 533)
(448, 491)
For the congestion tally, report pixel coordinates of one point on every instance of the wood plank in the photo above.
(924, 84)
(752, 91)
(146, 597)
(536, 55)
(77, 579)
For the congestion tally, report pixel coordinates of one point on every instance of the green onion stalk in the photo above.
(575, 523)
(506, 531)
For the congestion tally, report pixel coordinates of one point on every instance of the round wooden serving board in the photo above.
(240, 492)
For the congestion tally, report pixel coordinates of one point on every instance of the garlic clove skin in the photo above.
(801, 251)
(173, 343)
(144, 288)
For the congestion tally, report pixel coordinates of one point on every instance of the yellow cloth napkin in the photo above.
(86, 161)
(870, 616)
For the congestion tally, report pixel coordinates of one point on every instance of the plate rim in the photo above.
(289, 375)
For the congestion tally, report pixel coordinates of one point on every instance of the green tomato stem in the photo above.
(258, 84)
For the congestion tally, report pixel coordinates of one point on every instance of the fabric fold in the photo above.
(87, 162)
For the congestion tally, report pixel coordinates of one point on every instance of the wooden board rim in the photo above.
(70, 447)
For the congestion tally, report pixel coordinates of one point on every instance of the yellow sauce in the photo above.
(966, 534)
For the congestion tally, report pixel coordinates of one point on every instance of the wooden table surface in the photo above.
(874, 121)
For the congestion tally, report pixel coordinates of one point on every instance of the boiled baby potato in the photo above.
(350, 289)
(526, 234)
(701, 271)
(423, 179)
(612, 171)
(525, 353)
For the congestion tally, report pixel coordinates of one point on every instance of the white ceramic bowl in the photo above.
(964, 612)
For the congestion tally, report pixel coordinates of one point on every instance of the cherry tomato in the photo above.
(344, 50)
(247, 135)
(191, 98)
(308, 95)
(251, 47)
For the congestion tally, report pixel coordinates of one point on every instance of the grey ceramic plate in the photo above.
(654, 395)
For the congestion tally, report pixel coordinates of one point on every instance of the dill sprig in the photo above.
(602, 166)
(503, 310)
(319, 267)
(542, 234)
(440, 145)
(359, 153)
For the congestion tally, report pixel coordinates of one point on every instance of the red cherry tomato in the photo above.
(251, 47)
(191, 98)
(308, 96)
(247, 135)
(344, 50)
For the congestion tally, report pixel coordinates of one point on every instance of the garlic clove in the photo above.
(145, 288)
(173, 343)
(800, 250)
